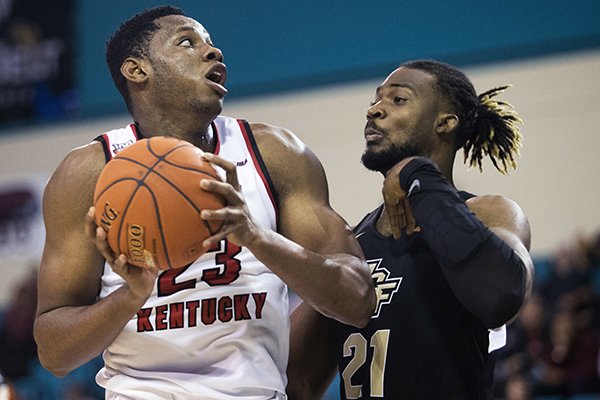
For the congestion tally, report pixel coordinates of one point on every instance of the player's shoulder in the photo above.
(90, 155)
(291, 164)
(280, 147)
(268, 135)
(79, 169)
(493, 202)
(497, 210)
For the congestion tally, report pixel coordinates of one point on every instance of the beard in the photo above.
(383, 160)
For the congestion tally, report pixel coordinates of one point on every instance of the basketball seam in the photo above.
(187, 199)
(141, 182)
(164, 158)
(150, 169)
(166, 180)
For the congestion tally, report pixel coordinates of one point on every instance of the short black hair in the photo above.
(131, 39)
(486, 126)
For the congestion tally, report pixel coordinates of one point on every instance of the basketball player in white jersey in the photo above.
(218, 329)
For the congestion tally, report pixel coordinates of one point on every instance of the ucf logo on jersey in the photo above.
(385, 287)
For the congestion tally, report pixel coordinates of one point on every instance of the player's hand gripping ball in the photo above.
(148, 199)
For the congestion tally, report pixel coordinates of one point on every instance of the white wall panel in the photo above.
(557, 182)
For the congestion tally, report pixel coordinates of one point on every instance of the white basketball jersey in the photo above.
(218, 329)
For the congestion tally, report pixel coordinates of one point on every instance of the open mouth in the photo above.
(217, 76)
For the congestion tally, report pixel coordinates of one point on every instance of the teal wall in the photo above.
(273, 45)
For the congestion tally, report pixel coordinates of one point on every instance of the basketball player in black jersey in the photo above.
(450, 268)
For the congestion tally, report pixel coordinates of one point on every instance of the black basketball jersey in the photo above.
(420, 343)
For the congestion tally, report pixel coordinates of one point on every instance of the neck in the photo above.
(446, 170)
(199, 133)
(445, 163)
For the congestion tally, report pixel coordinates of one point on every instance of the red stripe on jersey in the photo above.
(260, 171)
(137, 134)
(216, 132)
(108, 146)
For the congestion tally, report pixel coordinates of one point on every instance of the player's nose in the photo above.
(375, 112)
(213, 54)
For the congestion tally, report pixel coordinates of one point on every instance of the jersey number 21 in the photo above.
(355, 346)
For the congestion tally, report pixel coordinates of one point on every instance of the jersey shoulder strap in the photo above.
(118, 139)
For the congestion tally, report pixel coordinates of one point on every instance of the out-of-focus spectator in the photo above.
(517, 388)
(18, 355)
(553, 346)
(527, 342)
(570, 364)
(7, 390)
(17, 346)
(569, 286)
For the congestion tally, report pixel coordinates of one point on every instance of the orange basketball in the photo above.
(148, 199)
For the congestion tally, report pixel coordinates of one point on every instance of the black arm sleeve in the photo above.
(485, 274)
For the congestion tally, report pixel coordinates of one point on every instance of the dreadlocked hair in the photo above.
(497, 133)
(487, 127)
(132, 39)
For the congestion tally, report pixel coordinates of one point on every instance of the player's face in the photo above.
(187, 68)
(401, 120)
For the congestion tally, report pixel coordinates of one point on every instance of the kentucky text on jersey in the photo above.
(204, 312)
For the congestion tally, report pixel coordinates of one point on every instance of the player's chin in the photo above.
(212, 105)
(374, 161)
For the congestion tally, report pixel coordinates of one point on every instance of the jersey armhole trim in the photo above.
(260, 164)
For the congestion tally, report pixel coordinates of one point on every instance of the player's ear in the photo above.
(134, 70)
(446, 123)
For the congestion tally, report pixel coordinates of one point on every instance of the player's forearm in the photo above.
(312, 362)
(337, 285)
(68, 337)
(485, 274)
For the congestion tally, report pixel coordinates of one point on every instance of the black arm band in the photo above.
(484, 272)
(448, 226)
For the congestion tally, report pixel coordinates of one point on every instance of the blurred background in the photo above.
(313, 67)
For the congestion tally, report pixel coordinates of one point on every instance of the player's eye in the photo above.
(186, 42)
(399, 99)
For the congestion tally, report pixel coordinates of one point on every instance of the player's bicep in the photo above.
(70, 265)
(306, 215)
(507, 221)
(68, 274)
